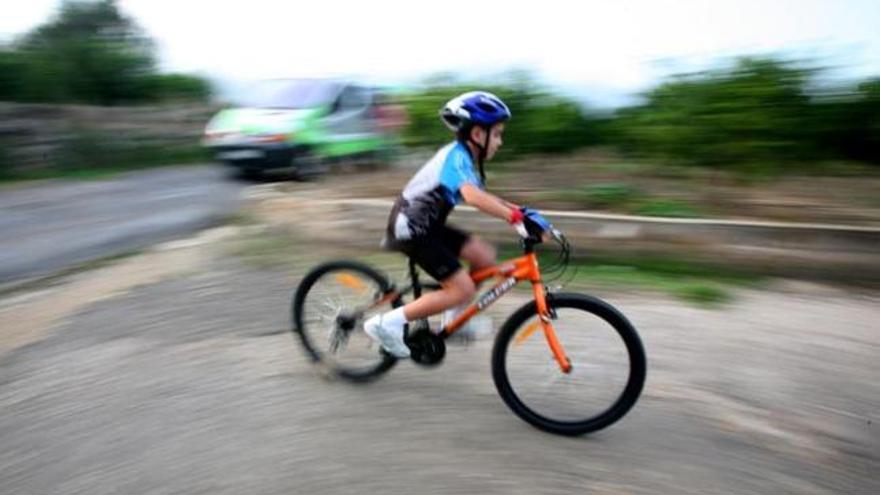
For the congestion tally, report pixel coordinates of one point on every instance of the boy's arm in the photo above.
(510, 205)
(487, 202)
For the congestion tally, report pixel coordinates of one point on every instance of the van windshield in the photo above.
(287, 94)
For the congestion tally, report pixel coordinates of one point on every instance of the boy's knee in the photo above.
(470, 292)
(491, 253)
(462, 287)
(479, 253)
(467, 291)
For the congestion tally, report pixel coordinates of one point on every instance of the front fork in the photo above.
(546, 314)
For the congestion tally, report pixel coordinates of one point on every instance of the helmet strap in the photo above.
(482, 149)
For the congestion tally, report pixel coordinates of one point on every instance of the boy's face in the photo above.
(495, 134)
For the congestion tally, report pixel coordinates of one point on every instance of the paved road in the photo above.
(55, 225)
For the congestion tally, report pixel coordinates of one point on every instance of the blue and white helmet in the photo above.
(476, 107)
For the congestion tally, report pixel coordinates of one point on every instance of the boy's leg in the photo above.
(387, 328)
(456, 289)
(478, 253)
(440, 262)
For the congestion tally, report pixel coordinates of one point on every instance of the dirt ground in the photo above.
(174, 372)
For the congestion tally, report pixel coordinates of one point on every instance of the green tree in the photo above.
(89, 52)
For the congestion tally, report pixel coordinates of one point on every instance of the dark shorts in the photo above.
(438, 252)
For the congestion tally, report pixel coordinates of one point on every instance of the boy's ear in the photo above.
(477, 134)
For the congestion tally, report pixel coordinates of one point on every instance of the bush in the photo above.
(173, 87)
(758, 111)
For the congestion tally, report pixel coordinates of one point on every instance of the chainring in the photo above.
(426, 348)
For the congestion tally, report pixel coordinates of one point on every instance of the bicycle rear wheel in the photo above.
(607, 357)
(329, 309)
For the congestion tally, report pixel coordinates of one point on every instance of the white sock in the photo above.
(452, 313)
(394, 319)
(459, 309)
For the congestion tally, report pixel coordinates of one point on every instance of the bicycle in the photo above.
(336, 323)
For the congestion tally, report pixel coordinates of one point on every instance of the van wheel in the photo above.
(375, 160)
(308, 166)
(244, 174)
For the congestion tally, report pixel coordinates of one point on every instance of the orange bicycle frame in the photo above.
(524, 268)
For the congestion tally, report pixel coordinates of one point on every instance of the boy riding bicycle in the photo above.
(417, 223)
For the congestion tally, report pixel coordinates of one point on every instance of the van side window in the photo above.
(351, 99)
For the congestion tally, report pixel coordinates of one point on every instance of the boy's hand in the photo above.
(521, 229)
(536, 224)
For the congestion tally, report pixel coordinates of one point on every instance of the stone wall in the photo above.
(34, 136)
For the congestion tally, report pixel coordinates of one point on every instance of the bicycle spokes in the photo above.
(350, 281)
(329, 312)
(564, 364)
(527, 332)
(605, 380)
(337, 337)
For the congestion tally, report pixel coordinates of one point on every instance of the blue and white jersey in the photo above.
(432, 193)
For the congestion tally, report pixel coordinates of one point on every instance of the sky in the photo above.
(601, 50)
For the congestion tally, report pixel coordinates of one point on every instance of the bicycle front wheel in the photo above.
(607, 358)
(329, 309)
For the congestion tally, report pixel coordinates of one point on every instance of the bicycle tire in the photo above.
(384, 361)
(595, 307)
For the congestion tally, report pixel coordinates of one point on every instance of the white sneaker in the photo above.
(391, 339)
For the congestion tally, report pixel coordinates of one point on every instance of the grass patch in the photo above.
(626, 168)
(703, 289)
(241, 218)
(666, 208)
(608, 195)
(695, 283)
(622, 197)
(702, 294)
